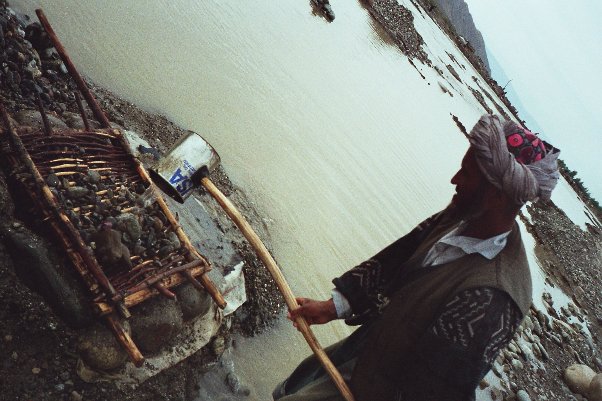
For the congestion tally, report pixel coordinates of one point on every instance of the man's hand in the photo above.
(314, 312)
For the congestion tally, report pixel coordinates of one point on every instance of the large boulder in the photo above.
(99, 349)
(48, 274)
(33, 118)
(155, 322)
(193, 302)
(578, 377)
(594, 393)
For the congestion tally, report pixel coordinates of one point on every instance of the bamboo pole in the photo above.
(125, 340)
(81, 85)
(283, 286)
(82, 112)
(146, 283)
(47, 127)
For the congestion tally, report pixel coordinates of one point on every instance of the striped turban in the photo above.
(513, 159)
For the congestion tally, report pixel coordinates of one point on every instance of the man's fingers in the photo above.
(301, 301)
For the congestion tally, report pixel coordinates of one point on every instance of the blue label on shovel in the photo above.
(181, 179)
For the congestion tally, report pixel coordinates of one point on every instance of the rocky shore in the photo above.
(41, 352)
(556, 355)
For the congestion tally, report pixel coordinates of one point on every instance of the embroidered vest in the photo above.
(417, 294)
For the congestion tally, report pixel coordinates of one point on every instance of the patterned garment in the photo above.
(479, 319)
(525, 146)
(458, 349)
(463, 340)
(364, 286)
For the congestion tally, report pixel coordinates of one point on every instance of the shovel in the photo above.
(188, 164)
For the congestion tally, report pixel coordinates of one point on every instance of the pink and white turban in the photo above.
(514, 159)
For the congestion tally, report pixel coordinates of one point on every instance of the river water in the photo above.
(340, 142)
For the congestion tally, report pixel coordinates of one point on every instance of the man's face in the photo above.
(470, 187)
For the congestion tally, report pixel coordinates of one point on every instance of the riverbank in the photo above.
(38, 353)
(42, 342)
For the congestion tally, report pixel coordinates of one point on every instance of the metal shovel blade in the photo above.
(180, 171)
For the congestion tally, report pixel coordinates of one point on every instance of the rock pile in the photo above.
(399, 23)
(30, 66)
(88, 210)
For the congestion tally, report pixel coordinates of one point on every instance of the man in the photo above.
(437, 305)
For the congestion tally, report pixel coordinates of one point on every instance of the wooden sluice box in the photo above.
(101, 207)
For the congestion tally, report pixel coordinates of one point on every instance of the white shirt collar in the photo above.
(489, 247)
(453, 246)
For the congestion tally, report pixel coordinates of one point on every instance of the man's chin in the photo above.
(463, 210)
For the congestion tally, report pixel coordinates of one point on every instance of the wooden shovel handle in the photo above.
(283, 286)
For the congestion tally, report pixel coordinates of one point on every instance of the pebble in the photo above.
(8, 338)
(173, 238)
(52, 180)
(236, 386)
(218, 345)
(36, 371)
(16, 224)
(522, 395)
(75, 396)
(496, 394)
(131, 226)
(77, 192)
(157, 224)
(94, 176)
(516, 364)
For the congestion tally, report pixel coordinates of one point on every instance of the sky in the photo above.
(552, 52)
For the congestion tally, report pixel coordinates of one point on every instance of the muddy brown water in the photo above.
(340, 142)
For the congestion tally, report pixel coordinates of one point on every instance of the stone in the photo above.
(52, 180)
(131, 225)
(157, 224)
(155, 323)
(32, 118)
(75, 396)
(522, 395)
(33, 259)
(496, 394)
(233, 381)
(98, 348)
(94, 176)
(74, 120)
(218, 345)
(165, 250)
(77, 192)
(578, 377)
(36, 371)
(192, 302)
(516, 364)
(173, 238)
(594, 392)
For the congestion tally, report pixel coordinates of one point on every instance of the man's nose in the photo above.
(455, 180)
